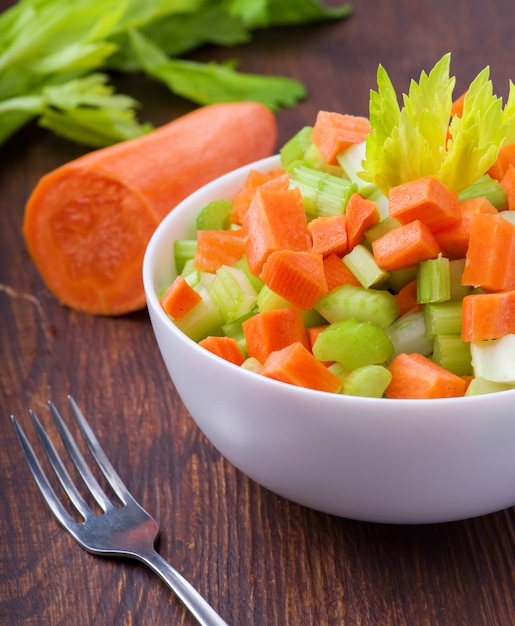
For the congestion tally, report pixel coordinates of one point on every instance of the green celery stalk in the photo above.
(367, 305)
(243, 265)
(408, 334)
(215, 216)
(489, 188)
(353, 344)
(458, 291)
(443, 318)
(369, 381)
(479, 386)
(350, 161)
(322, 193)
(267, 300)
(293, 151)
(494, 359)
(203, 320)
(232, 293)
(252, 364)
(381, 228)
(434, 280)
(400, 278)
(453, 354)
(183, 250)
(362, 264)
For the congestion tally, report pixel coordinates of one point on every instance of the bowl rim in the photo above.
(187, 208)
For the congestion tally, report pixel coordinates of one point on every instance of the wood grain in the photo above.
(263, 561)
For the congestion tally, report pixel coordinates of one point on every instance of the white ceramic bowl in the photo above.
(393, 461)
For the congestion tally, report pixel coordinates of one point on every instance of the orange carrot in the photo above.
(337, 273)
(488, 316)
(490, 259)
(273, 330)
(417, 377)
(179, 298)
(255, 179)
(328, 234)
(505, 158)
(335, 132)
(404, 247)
(218, 247)
(225, 347)
(296, 365)
(507, 182)
(425, 199)
(407, 298)
(88, 222)
(275, 220)
(360, 214)
(298, 277)
(454, 239)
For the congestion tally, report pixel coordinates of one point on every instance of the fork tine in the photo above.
(99, 455)
(80, 463)
(40, 477)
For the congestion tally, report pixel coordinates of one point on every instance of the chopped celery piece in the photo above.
(353, 344)
(400, 278)
(494, 359)
(369, 381)
(453, 354)
(381, 201)
(479, 386)
(215, 216)
(268, 300)
(322, 193)
(381, 228)
(235, 331)
(408, 334)
(508, 215)
(434, 280)
(232, 293)
(203, 320)
(183, 250)
(362, 264)
(366, 305)
(243, 265)
(192, 277)
(312, 318)
(188, 267)
(295, 148)
(252, 364)
(313, 159)
(443, 318)
(488, 187)
(458, 291)
(350, 161)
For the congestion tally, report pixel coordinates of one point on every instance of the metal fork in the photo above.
(126, 530)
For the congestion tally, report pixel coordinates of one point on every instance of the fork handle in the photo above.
(191, 598)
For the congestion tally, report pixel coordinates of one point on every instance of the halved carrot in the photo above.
(505, 158)
(275, 220)
(218, 247)
(407, 298)
(404, 247)
(454, 239)
(335, 132)
(415, 376)
(337, 273)
(225, 347)
(88, 222)
(361, 214)
(297, 276)
(329, 234)
(425, 199)
(488, 316)
(490, 259)
(507, 182)
(296, 365)
(272, 330)
(179, 298)
(241, 200)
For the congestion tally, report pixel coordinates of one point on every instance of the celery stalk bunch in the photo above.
(56, 58)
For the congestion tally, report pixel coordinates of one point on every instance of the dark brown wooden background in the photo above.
(258, 558)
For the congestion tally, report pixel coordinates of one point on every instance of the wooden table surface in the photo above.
(258, 558)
